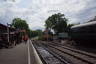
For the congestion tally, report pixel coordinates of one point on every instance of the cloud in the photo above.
(12, 1)
(35, 12)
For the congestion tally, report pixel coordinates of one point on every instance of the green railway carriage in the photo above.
(84, 33)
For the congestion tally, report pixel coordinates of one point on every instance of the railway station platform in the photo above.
(23, 53)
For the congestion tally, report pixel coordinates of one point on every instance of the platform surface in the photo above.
(19, 54)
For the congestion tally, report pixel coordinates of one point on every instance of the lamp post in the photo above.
(8, 25)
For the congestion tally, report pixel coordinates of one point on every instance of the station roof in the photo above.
(2, 26)
(85, 24)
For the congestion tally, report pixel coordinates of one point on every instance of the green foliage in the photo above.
(39, 32)
(20, 24)
(57, 22)
(35, 33)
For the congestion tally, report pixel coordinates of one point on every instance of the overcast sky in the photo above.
(35, 12)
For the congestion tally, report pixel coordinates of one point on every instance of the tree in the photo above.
(20, 24)
(57, 22)
(35, 33)
(39, 32)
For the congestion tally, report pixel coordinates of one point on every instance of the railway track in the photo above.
(55, 55)
(58, 56)
(82, 58)
(78, 51)
(68, 55)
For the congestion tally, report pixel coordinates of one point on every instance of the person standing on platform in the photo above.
(25, 38)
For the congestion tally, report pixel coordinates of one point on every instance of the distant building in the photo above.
(47, 34)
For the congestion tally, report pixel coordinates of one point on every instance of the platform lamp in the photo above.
(8, 25)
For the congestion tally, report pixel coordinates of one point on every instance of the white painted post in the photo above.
(8, 31)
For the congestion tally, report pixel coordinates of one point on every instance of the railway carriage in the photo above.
(84, 34)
